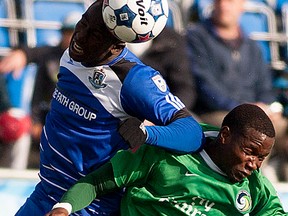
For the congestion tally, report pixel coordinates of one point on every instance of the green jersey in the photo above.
(161, 183)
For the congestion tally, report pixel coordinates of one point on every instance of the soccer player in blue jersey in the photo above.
(223, 179)
(102, 96)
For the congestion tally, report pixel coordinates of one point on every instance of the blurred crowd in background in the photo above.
(188, 53)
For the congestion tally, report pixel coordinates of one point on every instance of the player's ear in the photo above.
(117, 48)
(225, 134)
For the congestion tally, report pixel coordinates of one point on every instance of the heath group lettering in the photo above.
(73, 106)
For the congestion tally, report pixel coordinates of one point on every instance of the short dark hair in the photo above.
(247, 116)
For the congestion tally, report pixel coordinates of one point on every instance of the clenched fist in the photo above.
(133, 132)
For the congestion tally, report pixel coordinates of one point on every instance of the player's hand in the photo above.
(58, 212)
(133, 132)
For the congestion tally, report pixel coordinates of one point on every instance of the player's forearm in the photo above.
(80, 195)
(88, 188)
(182, 135)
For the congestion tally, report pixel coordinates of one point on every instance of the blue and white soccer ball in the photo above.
(135, 21)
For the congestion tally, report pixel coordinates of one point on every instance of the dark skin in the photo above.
(246, 153)
(92, 42)
(115, 51)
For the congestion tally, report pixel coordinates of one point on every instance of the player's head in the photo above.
(246, 137)
(92, 41)
(247, 116)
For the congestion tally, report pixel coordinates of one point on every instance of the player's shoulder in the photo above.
(130, 68)
(141, 73)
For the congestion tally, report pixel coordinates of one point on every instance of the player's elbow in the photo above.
(195, 136)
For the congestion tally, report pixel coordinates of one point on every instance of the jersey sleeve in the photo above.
(117, 173)
(127, 173)
(145, 95)
(84, 191)
(267, 202)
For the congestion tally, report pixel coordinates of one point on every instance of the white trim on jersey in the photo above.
(174, 101)
(57, 152)
(213, 134)
(210, 163)
(47, 167)
(51, 197)
(112, 84)
(55, 185)
(60, 171)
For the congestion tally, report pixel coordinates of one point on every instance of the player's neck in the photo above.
(212, 148)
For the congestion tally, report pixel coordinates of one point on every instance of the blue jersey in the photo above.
(80, 132)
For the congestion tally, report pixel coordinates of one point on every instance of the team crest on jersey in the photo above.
(160, 83)
(243, 201)
(97, 81)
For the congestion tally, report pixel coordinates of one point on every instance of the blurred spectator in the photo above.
(47, 59)
(229, 69)
(187, 10)
(167, 53)
(14, 125)
(4, 106)
(4, 98)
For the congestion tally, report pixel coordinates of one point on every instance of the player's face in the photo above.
(245, 153)
(91, 40)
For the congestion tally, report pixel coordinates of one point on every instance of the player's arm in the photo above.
(174, 127)
(85, 191)
(117, 173)
(183, 134)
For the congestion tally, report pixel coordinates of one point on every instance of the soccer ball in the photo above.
(135, 21)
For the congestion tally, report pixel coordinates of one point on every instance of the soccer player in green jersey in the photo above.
(222, 179)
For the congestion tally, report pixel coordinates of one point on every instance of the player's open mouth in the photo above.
(77, 48)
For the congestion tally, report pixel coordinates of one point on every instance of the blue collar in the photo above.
(119, 57)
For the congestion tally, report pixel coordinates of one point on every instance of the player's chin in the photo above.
(237, 177)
